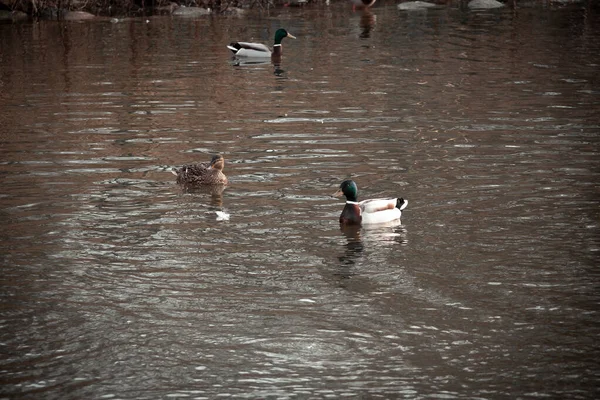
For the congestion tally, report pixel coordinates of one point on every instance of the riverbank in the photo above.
(83, 10)
(76, 10)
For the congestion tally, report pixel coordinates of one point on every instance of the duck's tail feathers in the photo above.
(174, 171)
(235, 47)
(401, 204)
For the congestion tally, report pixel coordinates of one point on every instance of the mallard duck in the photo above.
(361, 4)
(374, 211)
(259, 50)
(203, 174)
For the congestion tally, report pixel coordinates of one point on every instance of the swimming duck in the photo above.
(361, 4)
(259, 50)
(203, 174)
(374, 211)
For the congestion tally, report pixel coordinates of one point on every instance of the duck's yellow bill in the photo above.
(291, 36)
(338, 193)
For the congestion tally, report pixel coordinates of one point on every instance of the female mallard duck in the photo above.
(259, 50)
(203, 174)
(375, 211)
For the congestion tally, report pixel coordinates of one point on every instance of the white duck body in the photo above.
(378, 211)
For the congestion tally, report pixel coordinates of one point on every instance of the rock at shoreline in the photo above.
(6, 15)
(78, 16)
(415, 5)
(168, 8)
(191, 12)
(485, 4)
(234, 11)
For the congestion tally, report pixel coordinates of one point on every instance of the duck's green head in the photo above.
(282, 33)
(348, 188)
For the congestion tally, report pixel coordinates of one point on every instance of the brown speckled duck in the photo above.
(202, 174)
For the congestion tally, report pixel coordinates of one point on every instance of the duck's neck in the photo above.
(277, 49)
(351, 199)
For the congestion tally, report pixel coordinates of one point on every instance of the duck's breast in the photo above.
(350, 214)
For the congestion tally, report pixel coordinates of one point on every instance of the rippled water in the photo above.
(117, 283)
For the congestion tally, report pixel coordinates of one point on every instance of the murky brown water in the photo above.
(118, 284)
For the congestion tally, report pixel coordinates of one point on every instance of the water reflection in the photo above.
(277, 70)
(374, 237)
(385, 235)
(111, 269)
(251, 62)
(214, 192)
(367, 23)
(245, 62)
(353, 249)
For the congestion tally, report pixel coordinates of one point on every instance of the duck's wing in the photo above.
(254, 46)
(248, 49)
(379, 211)
(374, 205)
(193, 169)
(197, 168)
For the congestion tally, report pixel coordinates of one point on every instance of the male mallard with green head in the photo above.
(259, 50)
(374, 211)
(203, 174)
(361, 4)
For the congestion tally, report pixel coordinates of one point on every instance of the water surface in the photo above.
(117, 283)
